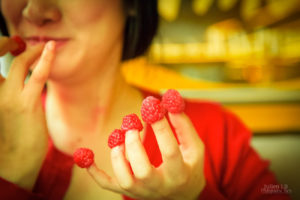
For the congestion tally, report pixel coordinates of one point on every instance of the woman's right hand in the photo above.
(23, 129)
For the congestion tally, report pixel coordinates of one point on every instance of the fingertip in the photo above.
(50, 45)
(180, 122)
(175, 115)
(117, 151)
(160, 125)
(131, 136)
(49, 49)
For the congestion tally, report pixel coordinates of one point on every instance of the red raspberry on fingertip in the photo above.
(116, 138)
(132, 122)
(152, 110)
(83, 157)
(173, 102)
(21, 45)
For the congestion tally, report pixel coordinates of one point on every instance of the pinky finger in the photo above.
(103, 180)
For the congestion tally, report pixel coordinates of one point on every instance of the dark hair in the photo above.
(140, 26)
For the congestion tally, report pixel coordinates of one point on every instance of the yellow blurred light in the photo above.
(169, 9)
(201, 7)
(226, 5)
(249, 8)
(281, 8)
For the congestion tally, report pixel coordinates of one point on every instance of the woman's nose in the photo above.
(41, 12)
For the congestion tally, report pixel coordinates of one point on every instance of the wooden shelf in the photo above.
(269, 118)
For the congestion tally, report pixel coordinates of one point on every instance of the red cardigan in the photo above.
(233, 170)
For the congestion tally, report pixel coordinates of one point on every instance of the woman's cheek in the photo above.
(87, 12)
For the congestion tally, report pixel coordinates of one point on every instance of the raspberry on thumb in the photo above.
(173, 102)
(21, 45)
(152, 110)
(83, 157)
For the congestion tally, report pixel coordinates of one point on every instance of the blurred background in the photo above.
(244, 54)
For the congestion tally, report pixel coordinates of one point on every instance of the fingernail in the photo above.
(50, 45)
(118, 148)
(116, 151)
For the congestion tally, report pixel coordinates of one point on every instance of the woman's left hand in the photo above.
(180, 176)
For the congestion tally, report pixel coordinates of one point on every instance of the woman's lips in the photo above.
(39, 39)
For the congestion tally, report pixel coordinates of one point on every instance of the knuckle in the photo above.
(126, 185)
(171, 153)
(20, 61)
(4, 103)
(178, 182)
(182, 180)
(8, 106)
(145, 174)
(104, 185)
(14, 106)
(198, 155)
(23, 109)
(39, 77)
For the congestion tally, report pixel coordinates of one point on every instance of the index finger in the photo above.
(41, 72)
(20, 66)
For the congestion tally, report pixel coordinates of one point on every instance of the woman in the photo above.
(77, 46)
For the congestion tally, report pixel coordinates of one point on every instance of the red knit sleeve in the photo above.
(244, 175)
(211, 193)
(232, 168)
(10, 191)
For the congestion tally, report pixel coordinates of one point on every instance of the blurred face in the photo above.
(89, 33)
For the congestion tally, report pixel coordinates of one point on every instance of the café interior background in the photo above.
(244, 54)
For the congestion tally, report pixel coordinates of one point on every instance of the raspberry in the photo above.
(152, 110)
(131, 122)
(83, 157)
(21, 45)
(117, 137)
(173, 102)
